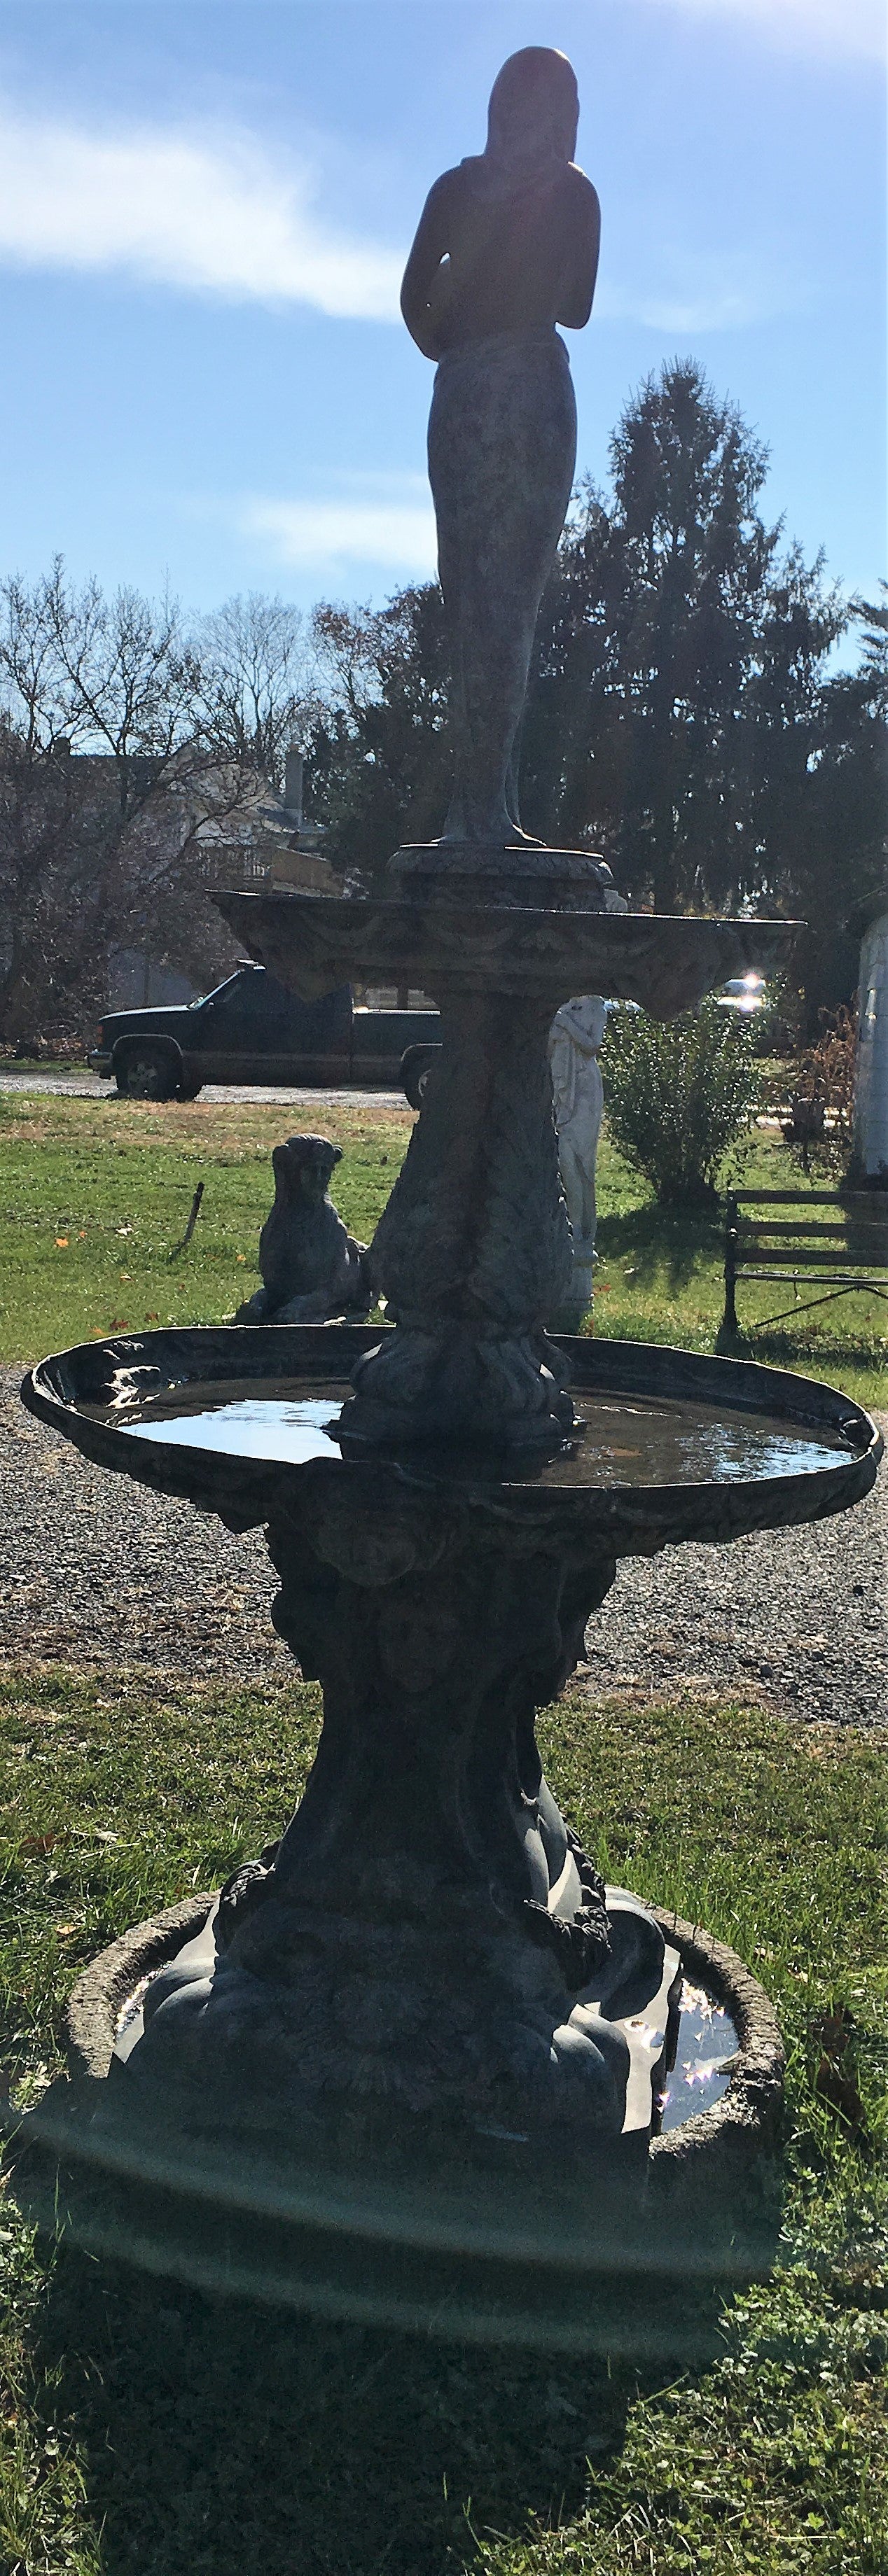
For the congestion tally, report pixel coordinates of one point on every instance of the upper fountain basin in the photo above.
(312, 942)
(673, 1445)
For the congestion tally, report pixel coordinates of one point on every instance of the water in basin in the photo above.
(624, 1440)
(258, 1425)
(705, 2053)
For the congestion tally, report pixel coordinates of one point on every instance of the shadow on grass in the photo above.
(221, 2439)
(659, 1242)
(778, 1349)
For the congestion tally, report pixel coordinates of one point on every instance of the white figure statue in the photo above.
(578, 1094)
(871, 1097)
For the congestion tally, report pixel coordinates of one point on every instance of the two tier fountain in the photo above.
(410, 2060)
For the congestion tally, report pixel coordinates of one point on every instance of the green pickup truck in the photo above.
(251, 1030)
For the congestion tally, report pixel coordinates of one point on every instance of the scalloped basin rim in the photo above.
(613, 924)
(75, 1389)
(663, 961)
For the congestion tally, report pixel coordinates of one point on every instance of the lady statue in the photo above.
(507, 247)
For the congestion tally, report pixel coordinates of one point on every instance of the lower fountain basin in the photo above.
(673, 1445)
(495, 2256)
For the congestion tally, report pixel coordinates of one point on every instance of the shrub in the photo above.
(821, 1126)
(678, 1093)
(776, 1028)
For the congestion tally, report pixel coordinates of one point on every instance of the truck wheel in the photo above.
(188, 1090)
(417, 1063)
(146, 1072)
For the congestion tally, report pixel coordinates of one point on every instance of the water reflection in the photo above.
(623, 1440)
(707, 2047)
(244, 1426)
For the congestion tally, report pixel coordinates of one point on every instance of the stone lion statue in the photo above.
(312, 1269)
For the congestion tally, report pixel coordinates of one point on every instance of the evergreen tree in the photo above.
(682, 716)
(379, 758)
(677, 658)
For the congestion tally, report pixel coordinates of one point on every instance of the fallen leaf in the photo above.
(64, 1930)
(35, 1844)
(61, 1243)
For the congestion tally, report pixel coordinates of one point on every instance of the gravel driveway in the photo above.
(103, 1571)
(89, 1086)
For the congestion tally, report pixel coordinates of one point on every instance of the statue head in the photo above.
(303, 1166)
(534, 109)
(584, 1019)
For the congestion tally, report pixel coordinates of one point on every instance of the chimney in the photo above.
(293, 787)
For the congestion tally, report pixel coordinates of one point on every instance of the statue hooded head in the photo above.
(533, 115)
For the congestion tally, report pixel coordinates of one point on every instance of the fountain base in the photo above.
(629, 2257)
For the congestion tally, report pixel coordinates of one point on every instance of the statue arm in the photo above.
(563, 1063)
(423, 288)
(575, 302)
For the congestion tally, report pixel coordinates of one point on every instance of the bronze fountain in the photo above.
(409, 2060)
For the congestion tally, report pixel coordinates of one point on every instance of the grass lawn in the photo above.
(147, 2430)
(95, 1194)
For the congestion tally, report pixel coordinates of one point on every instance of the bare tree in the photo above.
(259, 689)
(126, 678)
(106, 780)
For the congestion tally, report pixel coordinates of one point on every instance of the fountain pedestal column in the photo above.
(428, 1949)
(473, 1251)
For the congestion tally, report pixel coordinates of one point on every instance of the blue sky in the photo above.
(204, 209)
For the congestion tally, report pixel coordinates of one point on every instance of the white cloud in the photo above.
(682, 313)
(208, 212)
(396, 534)
(831, 27)
(695, 293)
